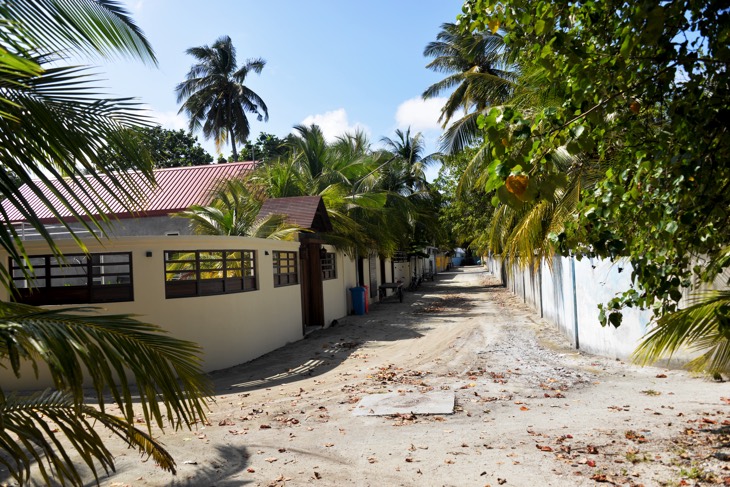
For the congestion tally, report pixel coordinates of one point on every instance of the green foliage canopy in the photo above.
(645, 97)
(166, 148)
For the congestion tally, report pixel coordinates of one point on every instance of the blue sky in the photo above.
(341, 64)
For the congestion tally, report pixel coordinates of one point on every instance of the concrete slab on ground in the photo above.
(434, 402)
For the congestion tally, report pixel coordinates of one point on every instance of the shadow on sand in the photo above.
(325, 349)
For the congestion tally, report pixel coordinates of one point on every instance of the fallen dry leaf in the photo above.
(600, 477)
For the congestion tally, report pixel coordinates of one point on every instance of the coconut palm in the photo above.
(480, 74)
(215, 97)
(233, 210)
(703, 326)
(53, 125)
(410, 159)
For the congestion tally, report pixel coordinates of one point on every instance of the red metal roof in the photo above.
(305, 211)
(176, 189)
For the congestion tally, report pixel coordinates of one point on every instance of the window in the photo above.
(329, 266)
(206, 272)
(73, 279)
(285, 269)
(400, 257)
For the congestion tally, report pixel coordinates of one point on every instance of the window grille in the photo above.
(73, 279)
(329, 266)
(285, 268)
(207, 272)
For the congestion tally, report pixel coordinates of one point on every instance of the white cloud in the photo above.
(419, 114)
(334, 124)
(169, 120)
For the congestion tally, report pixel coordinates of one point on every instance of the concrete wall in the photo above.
(124, 227)
(567, 292)
(402, 272)
(231, 328)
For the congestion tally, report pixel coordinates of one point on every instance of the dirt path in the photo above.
(530, 410)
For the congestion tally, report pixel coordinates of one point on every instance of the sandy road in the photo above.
(530, 410)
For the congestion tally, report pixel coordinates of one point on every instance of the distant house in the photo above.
(176, 190)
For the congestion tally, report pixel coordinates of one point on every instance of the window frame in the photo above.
(329, 266)
(282, 279)
(91, 275)
(200, 281)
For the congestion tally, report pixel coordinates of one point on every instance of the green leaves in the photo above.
(53, 127)
(702, 326)
(215, 97)
(636, 103)
(28, 435)
(113, 352)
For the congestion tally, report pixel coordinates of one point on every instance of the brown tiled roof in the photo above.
(305, 211)
(177, 189)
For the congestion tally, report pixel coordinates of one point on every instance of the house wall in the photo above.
(335, 291)
(388, 272)
(230, 328)
(350, 279)
(441, 262)
(402, 272)
(156, 225)
(124, 227)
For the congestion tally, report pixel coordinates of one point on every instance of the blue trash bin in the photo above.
(358, 300)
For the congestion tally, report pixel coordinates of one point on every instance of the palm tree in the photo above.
(52, 125)
(409, 152)
(233, 210)
(342, 173)
(214, 95)
(480, 73)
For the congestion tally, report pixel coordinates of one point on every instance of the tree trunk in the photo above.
(233, 145)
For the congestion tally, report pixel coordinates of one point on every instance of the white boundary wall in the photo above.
(567, 293)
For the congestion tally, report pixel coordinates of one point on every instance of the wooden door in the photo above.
(311, 284)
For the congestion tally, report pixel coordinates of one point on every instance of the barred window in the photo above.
(285, 269)
(329, 266)
(400, 256)
(73, 279)
(206, 272)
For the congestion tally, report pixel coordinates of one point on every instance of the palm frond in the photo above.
(108, 349)
(703, 326)
(89, 27)
(33, 424)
